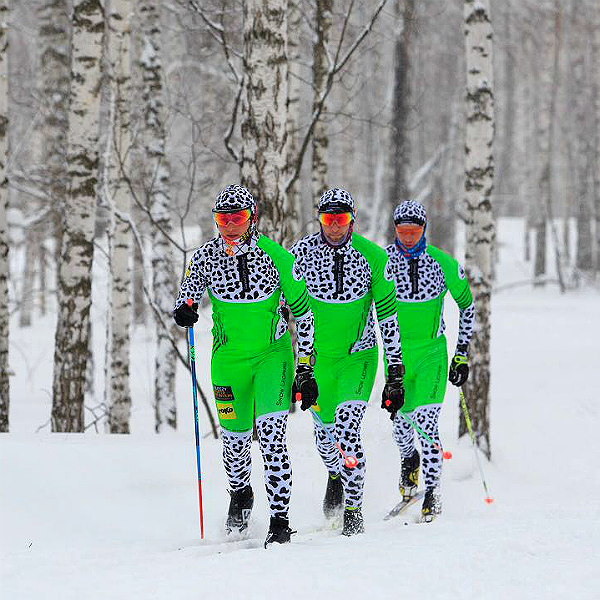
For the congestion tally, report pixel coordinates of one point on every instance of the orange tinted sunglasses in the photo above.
(409, 228)
(237, 218)
(342, 219)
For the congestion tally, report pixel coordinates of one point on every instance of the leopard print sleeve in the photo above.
(391, 339)
(466, 320)
(194, 283)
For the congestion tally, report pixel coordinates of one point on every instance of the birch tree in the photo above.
(400, 150)
(479, 179)
(4, 241)
(156, 188)
(118, 393)
(596, 165)
(55, 63)
(264, 100)
(77, 250)
(546, 118)
(296, 223)
(320, 140)
(583, 139)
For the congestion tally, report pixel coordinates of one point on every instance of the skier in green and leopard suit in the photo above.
(422, 275)
(247, 275)
(345, 274)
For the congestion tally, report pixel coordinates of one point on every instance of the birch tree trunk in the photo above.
(400, 149)
(75, 269)
(320, 139)
(545, 131)
(156, 185)
(264, 107)
(120, 314)
(4, 239)
(55, 41)
(480, 233)
(584, 259)
(596, 166)
(295, 222)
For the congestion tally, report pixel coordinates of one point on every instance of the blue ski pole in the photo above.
(193, 370)
(349, 461)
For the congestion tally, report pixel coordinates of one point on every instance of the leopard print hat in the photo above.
(336, 200)
(410, 211)
(234, 198)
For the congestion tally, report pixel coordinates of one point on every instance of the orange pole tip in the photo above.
(489, 500)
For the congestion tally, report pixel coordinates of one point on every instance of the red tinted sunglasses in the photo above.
(342, 219)
(237, 218)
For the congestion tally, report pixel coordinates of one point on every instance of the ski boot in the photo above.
(353, 522)
(409, 476)
(432, 505)
(334, 496)
(279, 531)
(240, 507)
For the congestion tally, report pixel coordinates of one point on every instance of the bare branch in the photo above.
(334, 70)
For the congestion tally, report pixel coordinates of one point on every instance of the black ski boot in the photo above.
(279, 531)
(353, 522)
(409, 476)
(334, 496)
(240, 507)
(432, 505)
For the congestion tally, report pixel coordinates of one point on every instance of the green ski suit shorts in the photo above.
(343, 378)
(426, 369)
(245, 383)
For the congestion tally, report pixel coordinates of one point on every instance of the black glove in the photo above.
(186, 316)
(305, 387)
(459, 367)
(392, 398)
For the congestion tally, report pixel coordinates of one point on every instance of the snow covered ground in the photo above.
(96, 516)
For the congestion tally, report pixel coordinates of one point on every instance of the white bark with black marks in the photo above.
(120, 313)
(264, 106)
(156, 187)
(4, 235)
(479, 180)
(55, 40)
(596, 165)
(321, 66)
(75, 270)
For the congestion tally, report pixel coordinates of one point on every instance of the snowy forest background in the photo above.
(122, 120)
(119, 123)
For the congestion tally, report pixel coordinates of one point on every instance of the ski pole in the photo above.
(463, 404)
(349, 461)
(193, 371)
(446, 454)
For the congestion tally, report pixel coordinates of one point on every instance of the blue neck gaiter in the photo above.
(415, 251)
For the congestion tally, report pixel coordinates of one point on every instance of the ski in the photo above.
(403, 505)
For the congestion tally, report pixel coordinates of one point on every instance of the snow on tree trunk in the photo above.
(75, 268)
(479, 179)
(264, 107)
(320, 139)
(120, 314)
(4, 382)
(156, 185)
(55, 62)
(400, 150)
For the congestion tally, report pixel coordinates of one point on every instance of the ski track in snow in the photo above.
(91, 516)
